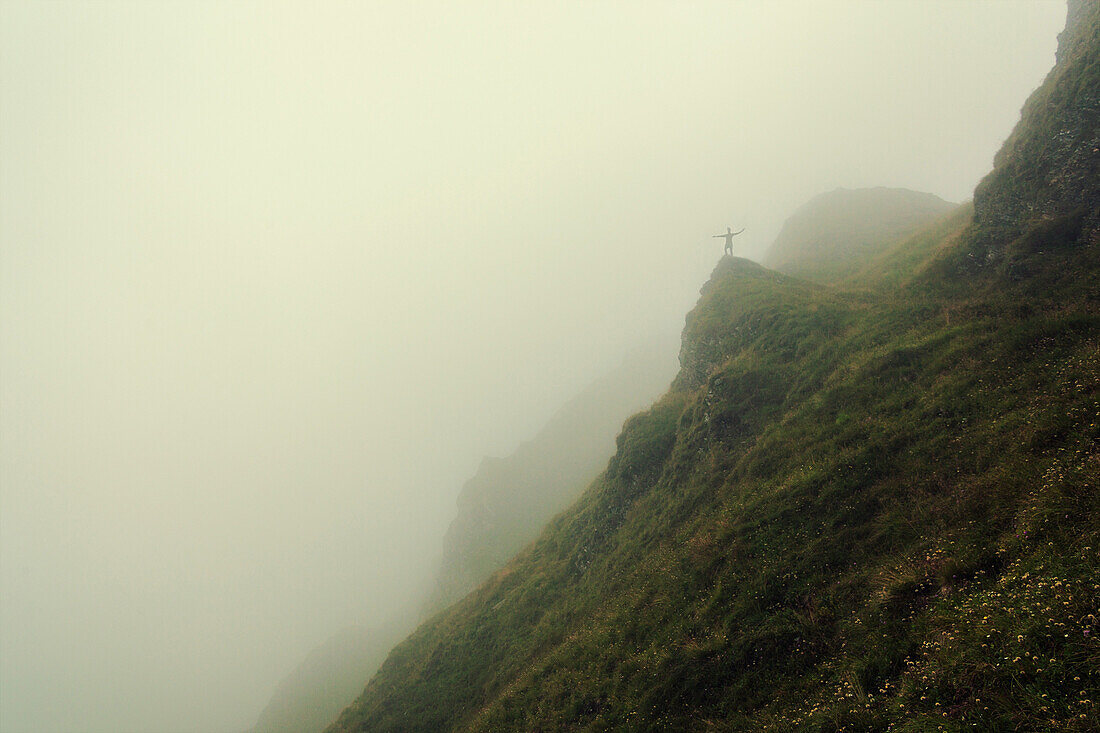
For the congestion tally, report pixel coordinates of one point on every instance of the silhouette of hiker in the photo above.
(729, 235)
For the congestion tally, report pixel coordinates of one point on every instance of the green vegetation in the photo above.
(859, 508)
(1050, 165)
(804, 540)
(501, 509)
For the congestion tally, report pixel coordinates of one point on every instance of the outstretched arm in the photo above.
(736, 233)
(717, 236)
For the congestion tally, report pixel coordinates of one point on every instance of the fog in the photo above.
(275, 277)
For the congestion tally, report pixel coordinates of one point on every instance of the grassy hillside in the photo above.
(856, 509)
(500, 510)
(1050, 166)
(833, 236)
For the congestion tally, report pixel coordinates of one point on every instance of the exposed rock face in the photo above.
(727, 318)
(835, 234)
(1048, 167)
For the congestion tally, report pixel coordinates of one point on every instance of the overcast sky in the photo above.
(274, 277)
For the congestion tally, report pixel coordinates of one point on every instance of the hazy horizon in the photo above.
(275, 277)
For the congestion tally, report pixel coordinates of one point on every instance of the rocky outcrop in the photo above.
(740, 301)
(1048, 167)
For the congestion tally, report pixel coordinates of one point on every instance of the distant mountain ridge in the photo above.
(833, 235)
(508, 501)
(311, 697)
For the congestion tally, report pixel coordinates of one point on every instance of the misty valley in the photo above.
(455, 414)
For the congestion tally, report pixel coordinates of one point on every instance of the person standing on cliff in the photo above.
(729, 235)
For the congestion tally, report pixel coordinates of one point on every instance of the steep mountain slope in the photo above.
(311, 697)
(833, 235)
(1049, 168)
(509, 500)
(875, 509)
(500, 509)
